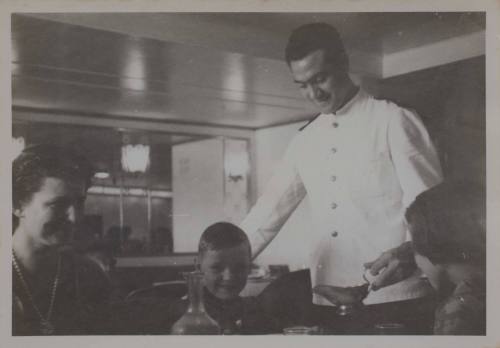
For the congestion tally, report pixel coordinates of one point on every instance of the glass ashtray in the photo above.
(390, 328)
(299, 330)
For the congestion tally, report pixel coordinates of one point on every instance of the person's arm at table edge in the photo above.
(282, 195)
(417, 166)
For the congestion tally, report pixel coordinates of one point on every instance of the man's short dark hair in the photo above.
(448, 223)
(41, 161)
(317, 36)
(222, 235)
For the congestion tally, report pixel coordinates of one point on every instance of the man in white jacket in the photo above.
(360, 162)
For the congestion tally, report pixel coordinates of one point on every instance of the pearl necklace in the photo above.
(46, 327)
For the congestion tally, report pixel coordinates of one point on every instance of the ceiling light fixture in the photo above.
(101, 175)
(135, 158)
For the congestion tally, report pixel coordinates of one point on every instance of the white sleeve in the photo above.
(413, 154)
(281, 197)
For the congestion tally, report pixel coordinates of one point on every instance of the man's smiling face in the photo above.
(319, 81)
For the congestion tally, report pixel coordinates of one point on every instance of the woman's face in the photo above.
(50, 217)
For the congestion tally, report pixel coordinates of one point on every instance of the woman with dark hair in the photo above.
(55, 291)
(447, 224)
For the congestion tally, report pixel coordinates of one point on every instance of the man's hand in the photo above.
(392, 266)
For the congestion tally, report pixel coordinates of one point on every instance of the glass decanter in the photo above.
(196, 320)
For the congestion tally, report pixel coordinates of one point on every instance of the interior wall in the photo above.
(197, 189)
(434, 54)
(451, 101)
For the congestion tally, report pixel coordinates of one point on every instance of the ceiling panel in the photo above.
(265, 34)
(222, 69)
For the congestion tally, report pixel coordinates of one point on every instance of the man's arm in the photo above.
(418, 169)
(414, 156)
(281, 197)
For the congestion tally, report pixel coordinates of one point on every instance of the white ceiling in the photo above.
(265, 34)
(221, 69)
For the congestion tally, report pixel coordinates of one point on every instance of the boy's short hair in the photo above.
(449, 223)
(317, 36)
(222, 235)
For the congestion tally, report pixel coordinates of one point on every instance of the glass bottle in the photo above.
(196, 320)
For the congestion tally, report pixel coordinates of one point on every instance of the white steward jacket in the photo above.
(360, 168)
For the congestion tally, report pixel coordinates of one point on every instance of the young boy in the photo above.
(447, 224)
(224, 257)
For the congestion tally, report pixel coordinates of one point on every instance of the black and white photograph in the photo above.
(314, 172)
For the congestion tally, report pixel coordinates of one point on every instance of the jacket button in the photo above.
(333, 178)
(335, 234)
(334, 205)
(334, 150)
(335, 124)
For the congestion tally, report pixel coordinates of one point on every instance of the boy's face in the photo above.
(225, 271)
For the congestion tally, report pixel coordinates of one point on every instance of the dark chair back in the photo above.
(147, 311)
(164, 290)
(288, 299)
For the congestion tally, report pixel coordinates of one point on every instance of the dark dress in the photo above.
(80, 305)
